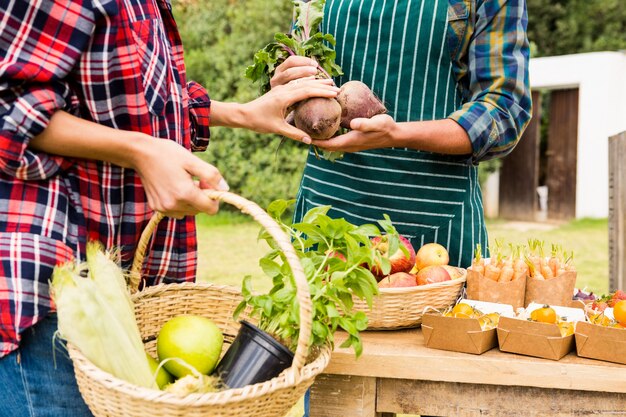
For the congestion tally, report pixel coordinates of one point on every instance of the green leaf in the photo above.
(267, 306)
(331, 311)
(367, 230)
(284, 295)
(246, 286)
(313, 214)
(310, 230)
(355, 343)
(348, 325)
(277, 208)
(361, 321)
(309, 15)
(240, 308)
(269, 267)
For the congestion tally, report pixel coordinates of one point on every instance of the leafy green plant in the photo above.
(336, 256)
(305, 40)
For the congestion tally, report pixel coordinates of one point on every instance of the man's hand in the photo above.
(377, 132)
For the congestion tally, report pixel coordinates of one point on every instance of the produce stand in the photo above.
(397, 373)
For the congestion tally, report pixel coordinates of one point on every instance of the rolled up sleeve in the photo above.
(41, 43)
(200, 116)
(499, 107)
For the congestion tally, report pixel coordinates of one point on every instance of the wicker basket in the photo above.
(111, 397)
(398, 308)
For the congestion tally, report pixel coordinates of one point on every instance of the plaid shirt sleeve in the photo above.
(200, 116)
(35, 63)
(494, 75)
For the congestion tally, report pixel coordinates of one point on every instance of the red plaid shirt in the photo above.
(114, 62)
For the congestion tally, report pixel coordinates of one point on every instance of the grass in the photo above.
(229, 250)
(228, 247)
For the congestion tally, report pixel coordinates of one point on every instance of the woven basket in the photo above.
(398, 308)
(111, 397)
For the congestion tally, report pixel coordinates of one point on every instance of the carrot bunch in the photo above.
(521, 260)
(543, 267)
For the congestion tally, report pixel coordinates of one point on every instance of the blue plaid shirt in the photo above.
(490, 52)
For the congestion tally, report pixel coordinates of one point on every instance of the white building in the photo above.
(598, 80)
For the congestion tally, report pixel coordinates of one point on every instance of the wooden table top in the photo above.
(401, 354)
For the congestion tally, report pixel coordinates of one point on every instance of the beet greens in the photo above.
(304, 40)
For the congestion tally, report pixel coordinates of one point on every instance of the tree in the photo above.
(557, 27)
(220, 38)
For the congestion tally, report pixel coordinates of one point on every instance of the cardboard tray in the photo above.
(555, 291)
(599, 342)
(457, 334)
(525, 337)
(484, 289)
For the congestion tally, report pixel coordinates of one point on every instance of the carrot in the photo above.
(554, 261)
(534, 271)
(519, 266)
(547, 272)
(569, 264)
(507, 273)
(478, 263)
(492, 272)
(497, 254)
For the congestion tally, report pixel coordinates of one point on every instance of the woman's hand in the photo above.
(294, 68)
(168, 172)
(377, 132)
(267, 113)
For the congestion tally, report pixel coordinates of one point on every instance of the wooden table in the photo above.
(397, 373)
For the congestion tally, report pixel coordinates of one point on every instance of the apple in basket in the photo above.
(455, 272)
(430, 254)
(398, 280)
(196, 340)
(432, 274)
(400, 262)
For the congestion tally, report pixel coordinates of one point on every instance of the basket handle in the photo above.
(282, 240)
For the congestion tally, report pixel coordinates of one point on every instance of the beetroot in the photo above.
(357, 100)
(318, 117)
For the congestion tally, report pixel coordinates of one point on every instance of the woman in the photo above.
(96, 126)
(454, 76)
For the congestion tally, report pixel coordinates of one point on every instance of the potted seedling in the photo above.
(336, 257)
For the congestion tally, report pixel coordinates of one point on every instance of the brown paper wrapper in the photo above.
(483, 289)
(556, 291)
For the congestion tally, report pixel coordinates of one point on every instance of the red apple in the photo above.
(399, 261)
(431, 254)
(335, 254)
(397, 280)
(453, 271)
(432, 274)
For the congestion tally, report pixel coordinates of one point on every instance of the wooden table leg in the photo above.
(345, 396)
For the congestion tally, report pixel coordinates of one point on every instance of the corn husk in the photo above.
(96, 315)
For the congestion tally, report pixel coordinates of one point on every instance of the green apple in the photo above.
(163, 377)
(196, 340)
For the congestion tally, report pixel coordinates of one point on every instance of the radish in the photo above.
(318, 117)
(357, 100)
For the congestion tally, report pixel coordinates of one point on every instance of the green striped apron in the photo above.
(399, 49)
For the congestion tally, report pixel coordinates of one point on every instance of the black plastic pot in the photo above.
(253, 357)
